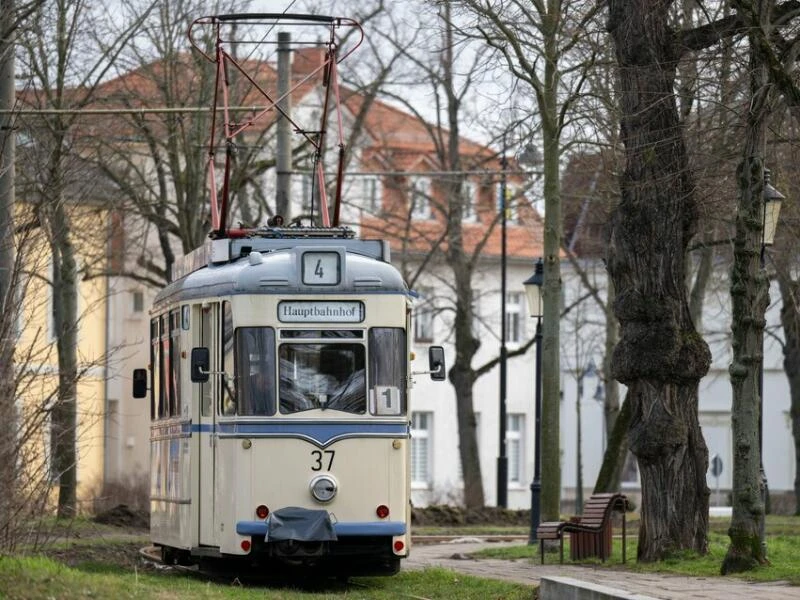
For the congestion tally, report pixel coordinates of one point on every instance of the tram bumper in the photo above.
(299, 525)
(291, 532)
(294, 532)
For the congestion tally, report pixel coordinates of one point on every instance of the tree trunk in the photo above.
(790, 319)
(65, 312)
(462, 375)
(610, 475)
(750, 298)
(551, 295)
(8, 309)
(463, 381)
(611, 406)
(660, 357)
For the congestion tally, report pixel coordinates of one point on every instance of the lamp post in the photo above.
(769, 222)
(502, 459)
(588, 371)
(533, 290)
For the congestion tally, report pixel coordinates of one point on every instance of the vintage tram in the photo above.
(279, 396)
(279, 377)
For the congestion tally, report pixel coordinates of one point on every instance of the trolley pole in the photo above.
(283, 158)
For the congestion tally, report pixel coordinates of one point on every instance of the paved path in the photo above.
(454, 555)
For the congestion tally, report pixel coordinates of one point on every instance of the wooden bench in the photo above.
(590, 532)
(551, 530)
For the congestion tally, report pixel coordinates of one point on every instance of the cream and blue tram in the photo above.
(279, 392)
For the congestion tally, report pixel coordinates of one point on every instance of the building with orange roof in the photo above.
(395, 189)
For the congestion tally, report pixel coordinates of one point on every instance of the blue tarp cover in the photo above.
(300, 524)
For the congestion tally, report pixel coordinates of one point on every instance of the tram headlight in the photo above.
(323, 488)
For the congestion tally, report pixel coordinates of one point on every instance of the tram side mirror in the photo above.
(139, 383)
(436, 363)
(200, 365)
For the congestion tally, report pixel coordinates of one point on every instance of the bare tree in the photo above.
(7, 324)
(660, 355)
(446, 240)
(535, 41)
(67, 49)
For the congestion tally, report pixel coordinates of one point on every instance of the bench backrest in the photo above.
(599, 506)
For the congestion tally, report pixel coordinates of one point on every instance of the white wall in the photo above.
(715, 400)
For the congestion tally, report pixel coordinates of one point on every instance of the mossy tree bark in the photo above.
(790, 320)
(660, 356)
(750, 298)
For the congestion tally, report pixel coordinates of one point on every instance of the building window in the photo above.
(514, 199)
(372, 195)
(307, 197)
(514, 312)
(511, 204)
(52, 334)
(138, 301)
(420, 198)
(630, 472)
(469, 200)
(515, 426)
(421, 426)
(423, 316)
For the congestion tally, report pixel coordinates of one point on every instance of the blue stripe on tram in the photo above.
(356, 529)
(321, 433)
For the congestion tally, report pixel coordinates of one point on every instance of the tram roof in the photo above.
(258, 265)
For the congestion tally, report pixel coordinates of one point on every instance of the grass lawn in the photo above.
(40, 577)
(783, 550)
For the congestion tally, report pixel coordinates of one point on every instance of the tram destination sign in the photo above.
(320, 311)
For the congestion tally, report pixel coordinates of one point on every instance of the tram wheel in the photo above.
(168, 556)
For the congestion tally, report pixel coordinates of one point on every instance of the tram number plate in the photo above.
(321, 268)
(322, 459)
(387, 400)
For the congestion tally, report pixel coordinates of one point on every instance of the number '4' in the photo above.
(318, 270)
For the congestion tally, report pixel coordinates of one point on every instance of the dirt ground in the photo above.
(431, 516)
(119, 547)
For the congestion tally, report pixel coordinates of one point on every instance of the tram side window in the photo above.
(229, 395)
(163, 369)
(175, 363)
(255, 370)
(387, 370)
(155, 362)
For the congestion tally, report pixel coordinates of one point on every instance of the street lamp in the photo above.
(769, 223)
(590, 370)
(502, 459)
(533, 290)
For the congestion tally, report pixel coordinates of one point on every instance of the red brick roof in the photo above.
(395, 141)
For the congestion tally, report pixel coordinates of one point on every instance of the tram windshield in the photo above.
(323, 376)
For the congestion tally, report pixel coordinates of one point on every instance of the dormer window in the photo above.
(512, 201)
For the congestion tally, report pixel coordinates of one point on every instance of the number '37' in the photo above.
(320, 457)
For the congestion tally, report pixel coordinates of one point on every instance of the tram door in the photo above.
(209, 338)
